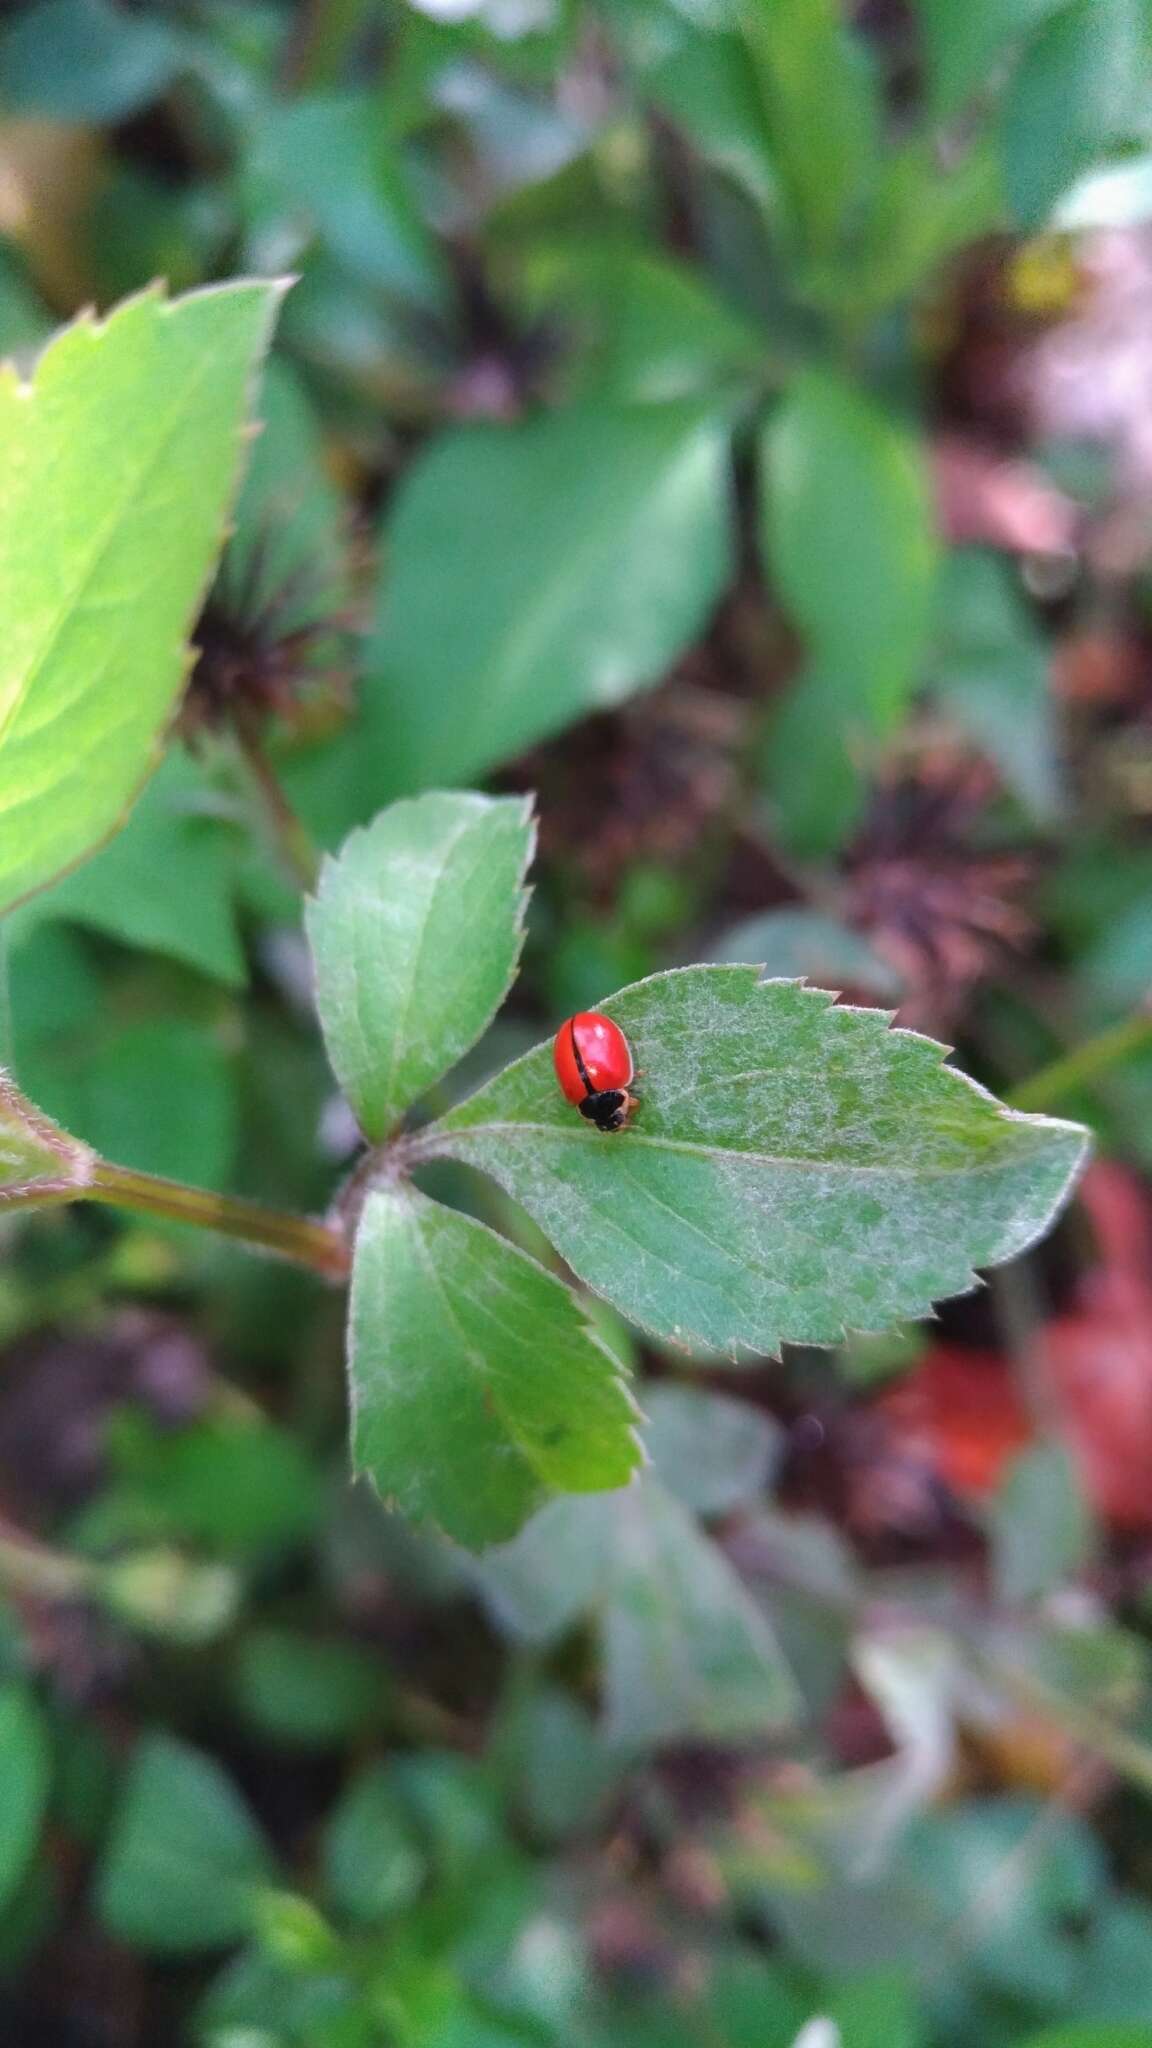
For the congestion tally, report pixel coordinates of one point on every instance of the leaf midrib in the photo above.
(443, 1138)
(475, 1358)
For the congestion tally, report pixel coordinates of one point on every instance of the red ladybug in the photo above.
(594, 1067)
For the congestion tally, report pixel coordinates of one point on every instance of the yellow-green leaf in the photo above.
(118, 461)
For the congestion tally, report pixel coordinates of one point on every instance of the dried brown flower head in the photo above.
(934, 895)
(264, 642)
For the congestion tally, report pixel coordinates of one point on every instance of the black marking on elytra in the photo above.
(580, 1067)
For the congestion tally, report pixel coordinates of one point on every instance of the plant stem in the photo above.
(299, 1238)
(319, 43)
(1114, 1744)
(291, 834)
(31, 1569)
(1077, 1069)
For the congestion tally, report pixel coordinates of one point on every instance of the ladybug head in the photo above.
(608, 1108)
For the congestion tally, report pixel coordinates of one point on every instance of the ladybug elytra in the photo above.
(595, 1068)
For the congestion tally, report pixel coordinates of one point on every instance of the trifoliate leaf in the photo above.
(117, 464)
(478, 1386)
(795, 1167)
(38, 1161)
(416, 930)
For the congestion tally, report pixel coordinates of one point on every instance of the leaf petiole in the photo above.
(302, 1239)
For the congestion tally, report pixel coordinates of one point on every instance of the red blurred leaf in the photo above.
(960, 1410)
(961, 1413)
(985, 497)
(1099, 1357)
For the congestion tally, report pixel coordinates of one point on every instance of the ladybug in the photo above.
(594, 1067)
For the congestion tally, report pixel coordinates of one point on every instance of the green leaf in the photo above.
(653, 332)
(708, 85)
(478, 1386)
(259, 1999)
(688, 1653)
(290, 517)
(165, 882)
(85, 60)
(559, 1764)
(687, 1650)
(540, 572)
(1117, 963)
(1047, 1880)
(1079, 88)
(794, 1167)
(37, 1159)
(1083, 1671)
(880, 2011)
(808, 945)
(231, 1483)
(964, 44)
(752, 2001)
(453, 1804)
(991, 669)
(164, 1594)
(185, 1859)
(1040, 1525)
(848, 535)
(24, 1772)
(920, 214)
(373, 1862)
(1102, 2034)
(328, 160)
(416, 929)
(712, 1453)
(118, 463)
(52, 987)
(303, 1692)
(824, 114)
(539, 1585)
(295, 1933)
(1116, 1964)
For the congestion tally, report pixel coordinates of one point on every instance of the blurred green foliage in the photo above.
(610, 448)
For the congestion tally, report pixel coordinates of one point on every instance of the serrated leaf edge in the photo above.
(526, 811)
(88, 321)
